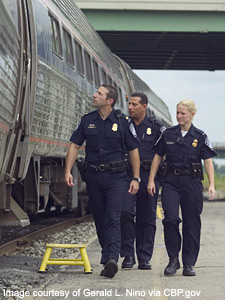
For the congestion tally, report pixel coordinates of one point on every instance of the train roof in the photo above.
(156, 102)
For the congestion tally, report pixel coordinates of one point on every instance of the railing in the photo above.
(219, 145)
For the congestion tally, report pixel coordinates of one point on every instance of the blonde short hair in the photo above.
(190, 105)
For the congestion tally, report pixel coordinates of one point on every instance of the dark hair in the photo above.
(144, 98)
(112, 93)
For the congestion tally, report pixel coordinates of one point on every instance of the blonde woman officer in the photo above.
(184, 146)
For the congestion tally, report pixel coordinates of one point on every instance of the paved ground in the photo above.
(208, 284)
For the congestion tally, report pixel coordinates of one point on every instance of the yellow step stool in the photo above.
(158, 212)
(84, 261)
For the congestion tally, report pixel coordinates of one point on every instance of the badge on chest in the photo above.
(115, 127)
(195, 143)
(149, 131)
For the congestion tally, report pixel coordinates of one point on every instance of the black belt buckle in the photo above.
(176, 171)
(101, 167)
(146, 164)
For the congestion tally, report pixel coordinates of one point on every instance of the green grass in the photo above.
(219, 181)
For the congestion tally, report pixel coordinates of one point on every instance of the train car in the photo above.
(51, 63)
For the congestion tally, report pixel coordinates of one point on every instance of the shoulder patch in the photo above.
(209, 144)
(78, 125)
(132, 130)
(162, 128)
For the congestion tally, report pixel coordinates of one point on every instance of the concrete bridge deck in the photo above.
(164, 34)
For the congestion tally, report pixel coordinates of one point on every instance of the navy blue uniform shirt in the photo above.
(181, 151)
(104, 137)
(148, 132)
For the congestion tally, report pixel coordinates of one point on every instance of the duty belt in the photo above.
(112, 166)
(186, 171)
(101, 167)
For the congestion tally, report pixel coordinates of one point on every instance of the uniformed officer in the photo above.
(148, 130)
(105, 173)
(184, 146)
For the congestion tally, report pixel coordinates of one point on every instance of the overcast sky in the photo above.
(206, 88)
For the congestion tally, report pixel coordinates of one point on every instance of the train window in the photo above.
(79, 58)
(104, 78)
(120, 96)
(96, 73)
(57, 43)
(88, 67)
(109, 80)
(69, 48)
(118, 100)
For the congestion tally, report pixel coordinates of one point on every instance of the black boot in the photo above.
(172, 267)
(110, 269)
(188, 270)
(144, 265)
(128, 262)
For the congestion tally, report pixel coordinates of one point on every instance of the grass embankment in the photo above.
(219, 182)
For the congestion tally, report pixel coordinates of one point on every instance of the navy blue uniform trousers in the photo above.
(186, 192)
(145, 221)
(106, 194)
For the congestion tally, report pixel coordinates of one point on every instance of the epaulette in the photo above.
(89, 113)
(128, 119)
(171, 127)
(158, 122)
(199, 131)
(152, 118)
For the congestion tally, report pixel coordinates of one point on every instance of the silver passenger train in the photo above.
(51, 63)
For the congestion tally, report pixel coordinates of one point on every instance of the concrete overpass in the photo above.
(163, 34)
(220, 149)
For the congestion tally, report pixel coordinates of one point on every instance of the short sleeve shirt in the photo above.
(183, 151)
(104, 141)
(148, 132)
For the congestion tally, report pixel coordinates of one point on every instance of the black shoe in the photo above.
(188, 270)
(144, 265)
(128, 262)
(110, 269)
(172, 266)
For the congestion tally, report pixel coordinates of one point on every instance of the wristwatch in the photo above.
(138, 179)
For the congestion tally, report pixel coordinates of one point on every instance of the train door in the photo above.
(20, 58)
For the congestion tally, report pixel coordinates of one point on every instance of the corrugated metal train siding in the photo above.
(9, 70)
(59, 105)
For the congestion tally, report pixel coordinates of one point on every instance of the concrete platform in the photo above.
(208, 284)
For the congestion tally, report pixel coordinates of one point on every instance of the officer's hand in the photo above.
(151, 188)
(134, 187)
(69, 179)
(211, 192)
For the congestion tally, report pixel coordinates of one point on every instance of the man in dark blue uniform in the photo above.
(106, 136)
(148, 130)
(184, 146)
